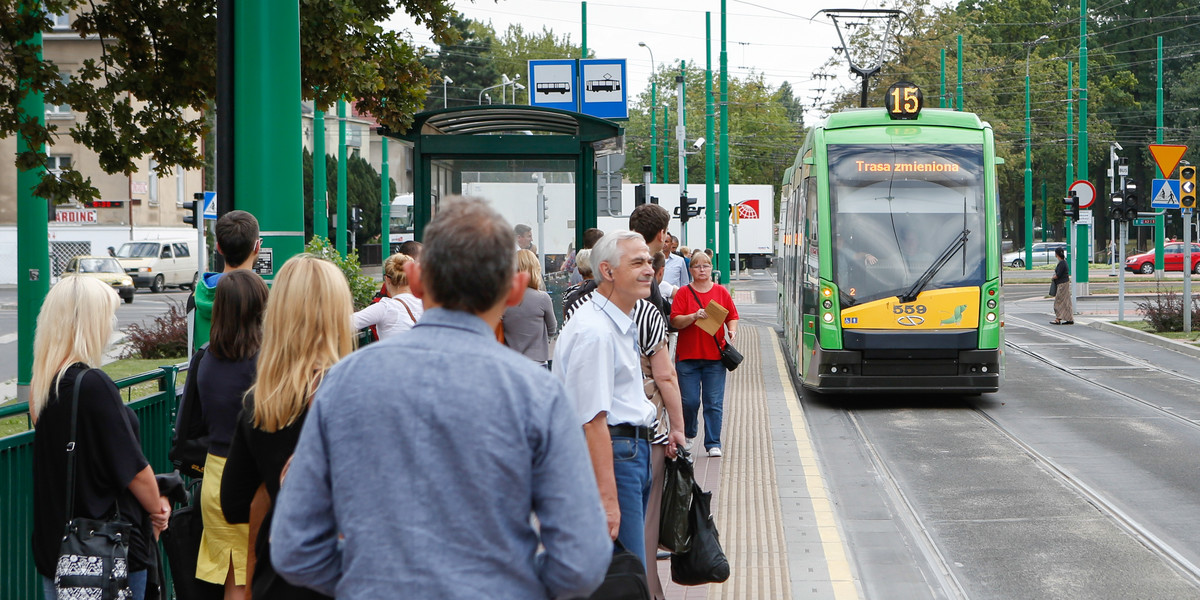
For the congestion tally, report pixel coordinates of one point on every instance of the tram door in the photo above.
(809, 266)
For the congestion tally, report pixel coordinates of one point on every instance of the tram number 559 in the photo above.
(909, 309)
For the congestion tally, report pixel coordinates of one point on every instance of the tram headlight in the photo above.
(828, 318)
(991, 304)
(827, 304)
(991, 317)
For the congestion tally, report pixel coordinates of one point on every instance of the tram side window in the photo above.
(811, 247)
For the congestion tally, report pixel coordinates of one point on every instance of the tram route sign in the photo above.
(554, 84)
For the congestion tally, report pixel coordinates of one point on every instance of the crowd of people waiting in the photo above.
(412, 465)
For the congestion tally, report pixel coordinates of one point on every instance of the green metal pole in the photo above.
(342, 217)
(33, 232)
(1070, 129)
(385, 204)
(666, 157)
(1044, 227)
(681, 139)
(266, 87)
(942, 95)
(1081, 165)
(583, 39)
(653, 129)
(1028, 175)
(723, 195)
(1160, 221)
(320, 187)
(960, 74)
(710, 209)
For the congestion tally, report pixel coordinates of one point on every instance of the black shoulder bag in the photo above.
(93, 560)
(730, 357)
(189, 440)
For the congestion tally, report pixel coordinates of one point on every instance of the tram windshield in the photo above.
(898, 209)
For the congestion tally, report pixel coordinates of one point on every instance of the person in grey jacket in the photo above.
(529, 325)
(426, 489)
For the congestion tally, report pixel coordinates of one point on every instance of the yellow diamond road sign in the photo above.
(1167, 156)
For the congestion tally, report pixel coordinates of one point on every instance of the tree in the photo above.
(466, 59)
(514, 50)
(148, 91)
(362, 191)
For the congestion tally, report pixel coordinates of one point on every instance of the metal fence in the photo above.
(19, 579)
(61, 252)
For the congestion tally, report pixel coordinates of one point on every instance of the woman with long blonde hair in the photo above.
(306, 330)
(529, 325)
(111, 472)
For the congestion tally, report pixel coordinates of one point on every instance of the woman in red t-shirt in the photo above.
(697, 355)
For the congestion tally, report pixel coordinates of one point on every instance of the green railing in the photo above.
(18, 578)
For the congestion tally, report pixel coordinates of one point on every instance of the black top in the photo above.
(108, 456)
(1061, 273)
(223, 383)
(257, 457)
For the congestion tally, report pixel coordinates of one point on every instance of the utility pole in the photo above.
(1161, 219)
(385, 203)
(710, 208)
(723, 169)
(666, 137)
(1084, 258)
(320, 187)
(342, 217)
(960, 75)
(942, 95)
(33, 232)
(680, 142)
(653, 112)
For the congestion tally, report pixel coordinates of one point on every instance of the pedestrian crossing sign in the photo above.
(1164, 193)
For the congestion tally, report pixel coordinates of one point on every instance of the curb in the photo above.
(1149, 338)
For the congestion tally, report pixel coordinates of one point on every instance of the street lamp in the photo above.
(1029, 161)
(445, 97)
(653, 111)
(491, 87)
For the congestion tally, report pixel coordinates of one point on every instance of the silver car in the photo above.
(1043, 254)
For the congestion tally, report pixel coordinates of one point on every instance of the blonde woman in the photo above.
(529, 325)
(73, 328)
(306, 331)
(399, 310)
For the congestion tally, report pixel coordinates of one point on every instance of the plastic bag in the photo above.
(674, 528)
(705, 562)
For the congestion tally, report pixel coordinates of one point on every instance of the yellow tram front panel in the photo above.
(953, 308)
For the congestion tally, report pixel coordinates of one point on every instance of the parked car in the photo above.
(104, 268)
(1043, 254)
(157, 264)
(1172, 259)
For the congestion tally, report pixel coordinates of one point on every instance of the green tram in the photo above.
(889, 266)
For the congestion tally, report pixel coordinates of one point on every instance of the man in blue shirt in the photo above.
(596, 356)
(424, 456)
(676, 271)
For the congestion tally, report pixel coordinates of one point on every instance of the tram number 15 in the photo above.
(904, 100)
(909, 309)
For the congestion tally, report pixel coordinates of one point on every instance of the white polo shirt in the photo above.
(596, 358)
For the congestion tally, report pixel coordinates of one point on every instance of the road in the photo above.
(146, 305)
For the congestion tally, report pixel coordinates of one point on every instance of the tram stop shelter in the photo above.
(535, 165)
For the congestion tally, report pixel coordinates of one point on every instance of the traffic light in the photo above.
(1131, 200)
(195, 207)
(1071, 207)
(639, 195)
(1187, 186)
(685, 210)
(1116, 210)
(356, 218)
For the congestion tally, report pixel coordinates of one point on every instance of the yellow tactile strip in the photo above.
(748, 511)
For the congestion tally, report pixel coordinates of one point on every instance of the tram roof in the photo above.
(505, 118)
(874, 117)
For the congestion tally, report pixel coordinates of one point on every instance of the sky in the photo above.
(784, 40)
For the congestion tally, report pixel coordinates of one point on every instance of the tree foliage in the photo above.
(466, 59)
(363, 190)
(148, 91)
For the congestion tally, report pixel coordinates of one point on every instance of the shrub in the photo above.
(1164, 310)
(362, 287)
(165, 337)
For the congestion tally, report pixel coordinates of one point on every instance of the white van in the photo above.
(157, 264)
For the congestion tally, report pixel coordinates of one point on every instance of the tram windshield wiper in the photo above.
(943, 258)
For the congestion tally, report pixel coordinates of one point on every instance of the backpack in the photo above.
(189, 440)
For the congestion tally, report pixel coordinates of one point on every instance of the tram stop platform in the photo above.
(777, 524)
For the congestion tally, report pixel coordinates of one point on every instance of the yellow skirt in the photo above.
(222, 543)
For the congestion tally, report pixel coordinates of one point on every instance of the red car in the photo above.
(1172, 259)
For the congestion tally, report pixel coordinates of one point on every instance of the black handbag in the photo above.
(705, 562)
(189, 440)
(93, 559)
(674, 526)
(730, 357)
(626, 578)
(1053, 287)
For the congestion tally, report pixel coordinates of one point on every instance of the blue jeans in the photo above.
(702, 378)
(631, 469)
(137, 585)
